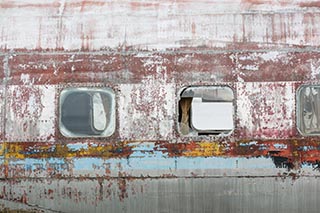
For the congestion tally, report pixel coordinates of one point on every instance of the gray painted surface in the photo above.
(169, 195)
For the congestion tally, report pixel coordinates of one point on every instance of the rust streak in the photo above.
(56, 4)
(310, 4)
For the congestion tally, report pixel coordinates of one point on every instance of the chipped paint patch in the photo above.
(315, 69)
(205, 149)
(31, 113)
(23, 150)
(146, 110)
(2, 112)
(265, 110)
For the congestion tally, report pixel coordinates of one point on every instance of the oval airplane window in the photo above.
(308, 110)
(206, 110)
(87, 112)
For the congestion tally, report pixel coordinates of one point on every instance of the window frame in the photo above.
(208, 134)
(111, 125)
(298, 110)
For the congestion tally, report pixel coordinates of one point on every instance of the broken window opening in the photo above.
(308, 112)
(206, 110)
(86, 112)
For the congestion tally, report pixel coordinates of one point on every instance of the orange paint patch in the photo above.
(297, 151)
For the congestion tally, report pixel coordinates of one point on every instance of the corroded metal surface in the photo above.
(170, 195)
(148, 52)
(194, 66)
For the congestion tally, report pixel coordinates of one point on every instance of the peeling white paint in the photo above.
(146, 110)
(166, 24)
(25, 78)
(315, 69)
(250, 67)
(266, 110)
(62, 7)
(270, 56)
(2, 119)
(266, 56)
(31, 118)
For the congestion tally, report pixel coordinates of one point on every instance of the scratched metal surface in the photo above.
(147, 51)
(172, 195)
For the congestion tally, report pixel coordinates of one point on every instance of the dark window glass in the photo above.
(87, 112)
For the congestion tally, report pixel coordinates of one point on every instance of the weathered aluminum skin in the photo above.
(147, 52)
